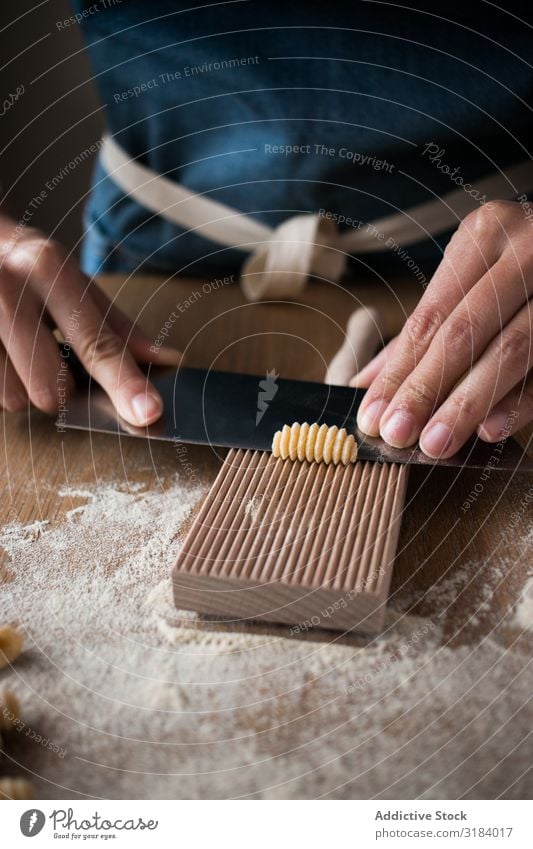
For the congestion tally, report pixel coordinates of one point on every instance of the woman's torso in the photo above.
(277, 108)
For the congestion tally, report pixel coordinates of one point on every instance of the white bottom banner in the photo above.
(266, 824)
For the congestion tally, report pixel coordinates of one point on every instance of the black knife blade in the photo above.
(230, 410)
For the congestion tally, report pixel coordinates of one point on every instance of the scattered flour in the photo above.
(152, 702)
(523, 617)
(130, 537)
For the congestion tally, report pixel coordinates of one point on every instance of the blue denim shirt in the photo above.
(275, 108)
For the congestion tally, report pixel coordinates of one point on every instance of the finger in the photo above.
(108, 360)
(13, 396)
(470, 254)
(65, 291)
(29, 344)
(460, 341)
(364, 378)
(505, 362)
(141, 346)
(510, 415)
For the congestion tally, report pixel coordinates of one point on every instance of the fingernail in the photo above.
(400, 429)
(495, 426)
(369, 418)
(146, 407)
(436, 440)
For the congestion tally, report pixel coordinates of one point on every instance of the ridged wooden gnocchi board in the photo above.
(305, 544)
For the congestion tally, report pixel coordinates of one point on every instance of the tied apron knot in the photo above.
(283, 259)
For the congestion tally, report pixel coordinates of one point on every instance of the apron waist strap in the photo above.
(281, 260)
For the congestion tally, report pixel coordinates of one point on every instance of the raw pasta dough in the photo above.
(315, 443)
(11, 788)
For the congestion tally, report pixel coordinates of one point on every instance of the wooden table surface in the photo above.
(210, 321)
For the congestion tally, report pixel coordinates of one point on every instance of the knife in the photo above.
(230, 410)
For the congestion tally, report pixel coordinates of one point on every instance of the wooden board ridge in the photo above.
(304, 544)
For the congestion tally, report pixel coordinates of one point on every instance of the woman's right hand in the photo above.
(41, 289)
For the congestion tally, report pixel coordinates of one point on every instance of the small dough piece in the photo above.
(284, 442)
(9, 710)
(318, 453)
(315, 443)
(15, 788)
(276, 444)
(349, 451)
(10, 645)
(302, 441)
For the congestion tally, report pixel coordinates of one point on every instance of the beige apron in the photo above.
(282, 259)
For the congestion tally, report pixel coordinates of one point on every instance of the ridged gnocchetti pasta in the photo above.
(315, 443)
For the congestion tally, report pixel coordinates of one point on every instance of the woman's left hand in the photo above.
(462, 361)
